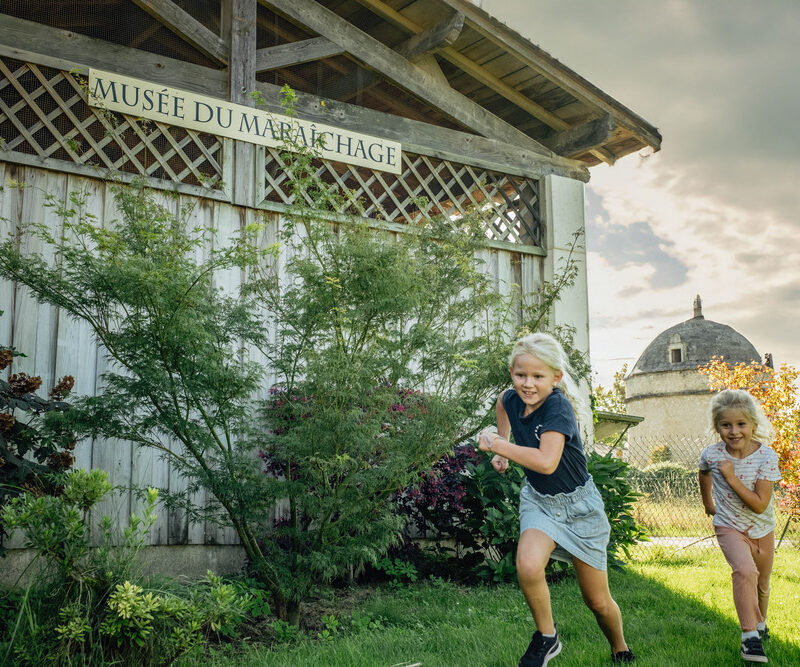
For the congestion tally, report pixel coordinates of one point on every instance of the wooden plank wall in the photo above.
(56, 345)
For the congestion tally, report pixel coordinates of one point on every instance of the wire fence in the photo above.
(664, 471)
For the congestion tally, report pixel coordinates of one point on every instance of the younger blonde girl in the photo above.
(736, 478)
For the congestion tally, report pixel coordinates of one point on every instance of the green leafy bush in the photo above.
(33, 446)
(660, 454)
(85, 609)
(466, 501)
(611, 476)
(55, 526)
(665, 481)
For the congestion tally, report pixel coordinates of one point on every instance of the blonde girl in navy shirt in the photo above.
(561, 511)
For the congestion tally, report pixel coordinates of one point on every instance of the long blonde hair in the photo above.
(738, 399)
(543, 346)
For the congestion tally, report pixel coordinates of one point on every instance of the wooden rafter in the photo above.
(469, 66)
(414, 79)
(186, 27)
(434, 38)
(582, 138)
(295, 53)
(142, 36)
(414, 49)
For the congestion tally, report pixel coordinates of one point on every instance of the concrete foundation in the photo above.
(187, 560)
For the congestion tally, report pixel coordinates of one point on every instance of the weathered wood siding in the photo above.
(56, 345)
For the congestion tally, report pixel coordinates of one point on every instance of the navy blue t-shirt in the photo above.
(555, 414)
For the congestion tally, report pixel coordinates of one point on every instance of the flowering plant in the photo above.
(33, 442)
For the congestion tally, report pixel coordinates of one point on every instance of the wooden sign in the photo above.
(183, 108)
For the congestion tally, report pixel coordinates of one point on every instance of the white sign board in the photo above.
(144, 99)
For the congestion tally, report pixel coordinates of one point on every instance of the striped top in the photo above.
(731, 510)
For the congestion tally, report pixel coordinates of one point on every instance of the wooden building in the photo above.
(477, 117)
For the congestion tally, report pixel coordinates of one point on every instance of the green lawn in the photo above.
(684, 516)
(677, 607)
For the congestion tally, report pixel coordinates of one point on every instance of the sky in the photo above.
(715, 212)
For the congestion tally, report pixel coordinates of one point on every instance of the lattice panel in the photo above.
(507, 205)
(43, 112)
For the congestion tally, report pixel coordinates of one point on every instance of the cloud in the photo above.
(634, 244)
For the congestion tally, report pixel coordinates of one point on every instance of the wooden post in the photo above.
(239, 30)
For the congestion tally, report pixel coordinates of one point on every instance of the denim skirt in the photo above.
(575, 521)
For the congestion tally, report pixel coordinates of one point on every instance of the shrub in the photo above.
(86, 610)
(665, 481)
(55, 525)
(465, 500)
(611, 476)
(32, 445)
(349, 424)
(660, 453)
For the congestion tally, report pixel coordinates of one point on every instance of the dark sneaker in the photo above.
(540, 650)
(764, 634)
(753, 651)
(623, 656)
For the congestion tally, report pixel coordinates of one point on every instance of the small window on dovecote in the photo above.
(676, 352)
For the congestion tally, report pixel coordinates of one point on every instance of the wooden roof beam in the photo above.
(296, 53)
(187, 28)
(433, 39)
(413, 49)
(582, 138)
(416, 80)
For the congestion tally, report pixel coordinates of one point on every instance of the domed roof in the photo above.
(692, 343)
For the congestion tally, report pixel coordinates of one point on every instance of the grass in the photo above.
(677, 516)
(677, 607)
(685, 517)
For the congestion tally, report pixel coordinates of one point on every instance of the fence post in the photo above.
(785, 528)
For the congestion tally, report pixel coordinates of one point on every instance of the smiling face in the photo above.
(736, 431)
(533, 380)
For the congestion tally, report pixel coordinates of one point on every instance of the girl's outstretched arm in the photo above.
(756, 499)
(543, 460)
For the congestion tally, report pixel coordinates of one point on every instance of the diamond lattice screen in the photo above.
(508, 206)
(43, 112)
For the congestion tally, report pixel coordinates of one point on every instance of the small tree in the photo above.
(613, 398)
(387, 351)
(173, 340)
(778, 393)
